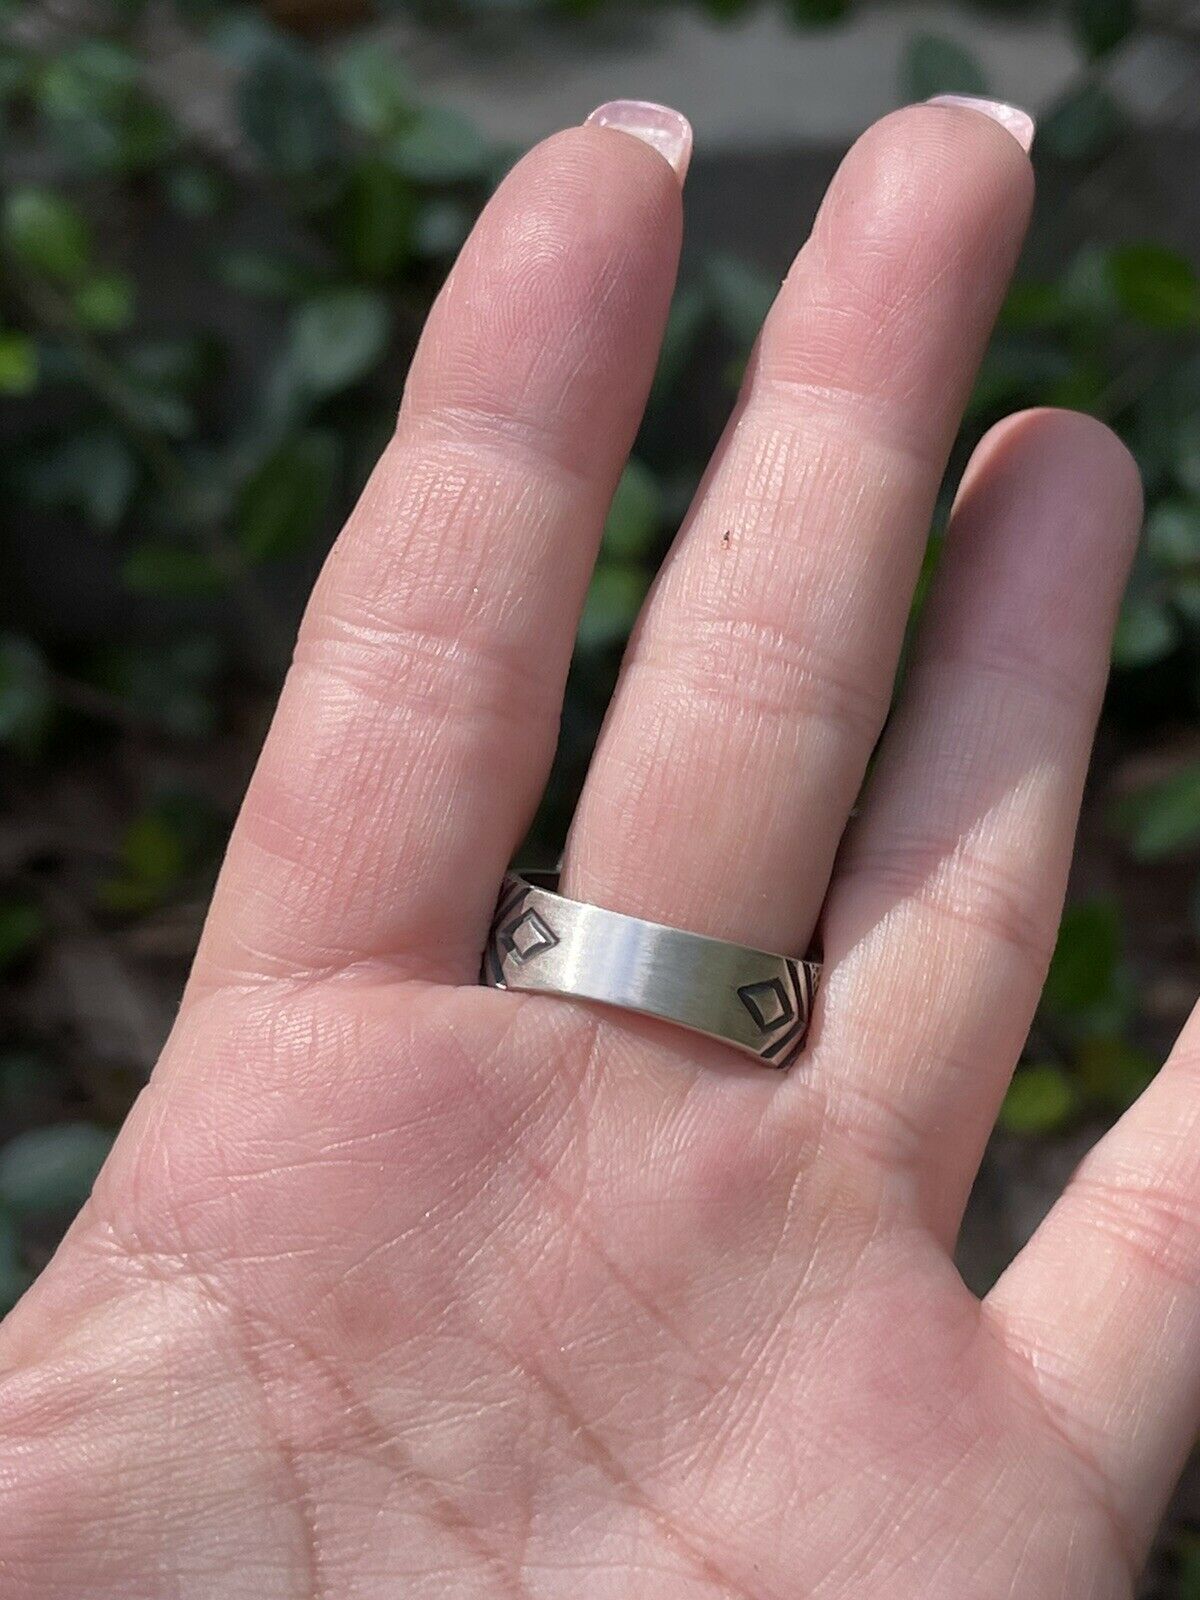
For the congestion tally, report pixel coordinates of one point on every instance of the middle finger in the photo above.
(760, 672)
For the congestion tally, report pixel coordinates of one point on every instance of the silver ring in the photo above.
(540, 941)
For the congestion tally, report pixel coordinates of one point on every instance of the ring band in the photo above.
(542, 942)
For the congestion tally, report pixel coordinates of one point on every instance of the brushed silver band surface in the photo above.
(540, 941)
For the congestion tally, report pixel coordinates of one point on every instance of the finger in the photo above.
(1102, 1309)
(943, 911)
(761, 669)
(419, 718)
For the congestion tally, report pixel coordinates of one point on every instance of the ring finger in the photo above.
(761, 670)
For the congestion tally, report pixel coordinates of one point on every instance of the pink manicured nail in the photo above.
(1019, 123)
(658, 126)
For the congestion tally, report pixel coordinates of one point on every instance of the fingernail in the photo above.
(1019, 123)
(658, 126)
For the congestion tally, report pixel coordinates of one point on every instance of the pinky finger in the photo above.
(1102, 1308)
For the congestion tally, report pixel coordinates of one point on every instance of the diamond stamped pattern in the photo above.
(527, 937)
(780, 1007)
(768, 1003)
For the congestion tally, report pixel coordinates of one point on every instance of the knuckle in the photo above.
(1150, 1218)
(757, 670)
(1003, 666)
(411, 616)
(970, 889)
(802, 382)
(431, 669)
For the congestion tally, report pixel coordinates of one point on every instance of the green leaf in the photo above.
(18, 363)
(17, 68)
(1146, 632)
(146, 136)
(157, 567)
(818, 13)
(377, 219)
(25, 697)
(1187, 1563)
(1112, 1071)
(24, 1081)
(170, 686)
(1033, 304)
(635, 516)
(105, 302)
(89, 78)
(153, 859)
(47, 234)
(95, 110)
(1155, 285)
(264, 276)
(90, 470)
(441, 226)
(1084, 964)
(195, 190)
(336, 338)
(373, 88)
(21, 924)
(1022, 369)
(440, 146)
(1083, 125)
(1173, 533)
(1101, 25)
(158, 411)
(685, 324)
(52, 1169)
(1186, 454)
(614, 599)
(936, 65)
(1165, 817)
(1185, 597)
(239, 33)
(169, 839)
(15, 1278)
(741, 296)
(1089, 291)
(1040, 1099)
(154, 375)
(287, 109)
(285, 502)
(177, 364)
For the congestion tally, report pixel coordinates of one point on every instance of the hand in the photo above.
(397, 1286)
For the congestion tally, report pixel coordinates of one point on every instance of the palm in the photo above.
(513, 1328)
(396, 1285)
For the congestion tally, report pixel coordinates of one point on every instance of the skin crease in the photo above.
(398, 1286)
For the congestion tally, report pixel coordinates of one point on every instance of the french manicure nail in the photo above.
(658, 126)
(1019, 123)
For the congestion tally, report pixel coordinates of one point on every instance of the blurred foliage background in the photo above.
(209, 296)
